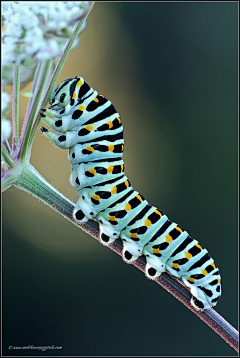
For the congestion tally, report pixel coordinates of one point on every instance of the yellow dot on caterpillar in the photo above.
(74, 95)
(93, 171)
(90, 149)
(112, 218)
(126, 183)
(110, 148)
(190, 279)
(213, 265)
(96, 197)
(156, 251)
(175, 265)
(128, 207)
(218, 280)
(101, 95)
(89, 128)
(158, 212)
(169, 238)
(121, 167)
(178, 228)
(204, 272)
(122, 147)
(148, 222)
(110, 124)
(199, 246)
(139, 197)
(81, 108)
(114, 190)
(134, 235)
(188, 255)
(110, 169)
(79, 83)
(119, 120)
(96, 100)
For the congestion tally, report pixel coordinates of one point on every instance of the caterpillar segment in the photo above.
(89, 126)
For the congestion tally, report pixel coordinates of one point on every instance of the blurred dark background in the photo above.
(171, 71)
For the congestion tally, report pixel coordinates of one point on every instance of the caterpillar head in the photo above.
(60, 96)
(68, 93)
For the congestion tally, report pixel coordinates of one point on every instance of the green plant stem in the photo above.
(7, 158)
(15, 106)
(25, 145)
(7, 181)
(32, 182)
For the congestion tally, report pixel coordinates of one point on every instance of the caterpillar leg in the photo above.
(131, 252)
(205, 296)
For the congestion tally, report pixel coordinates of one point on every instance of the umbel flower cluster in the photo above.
(40, 28)
(34, 32)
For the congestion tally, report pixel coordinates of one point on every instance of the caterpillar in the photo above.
(91, 128)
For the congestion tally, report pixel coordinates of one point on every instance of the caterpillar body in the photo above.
(90, 127)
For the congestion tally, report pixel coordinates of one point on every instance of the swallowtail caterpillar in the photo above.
(90, 127)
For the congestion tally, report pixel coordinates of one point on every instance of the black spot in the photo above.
(43, 129)
(101, 170)
(91, 213)
(127, 255)
(79, 215)
(73, 155)
(72, 102)
(63, 111)
(206, 291)
(198, 303)
(215, 299)
(197, 276)
(152, 271)
(89, 174)
(105, 237)
(83, 132)
(103, 127)
(163, 246)
(214, 282)
(62, 138)
(100, 221)
(58, 123)
(83, 197)
(77, 181)
(62, 97)
(218, 289)
(104, 194)
(76, 114)
(181, 261)
(95, 202)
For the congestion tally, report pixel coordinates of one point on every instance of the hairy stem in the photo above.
(32, 182)
(15, 106)
(6, 157)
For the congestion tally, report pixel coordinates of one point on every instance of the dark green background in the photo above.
(171, 71)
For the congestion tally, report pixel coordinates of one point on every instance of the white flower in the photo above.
(6, 129)
(38, 27)
(6, 99)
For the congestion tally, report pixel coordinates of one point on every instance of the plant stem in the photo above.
(15, 106)
(7, 181)
(7, 158)
(25, 146)
(32, 182)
